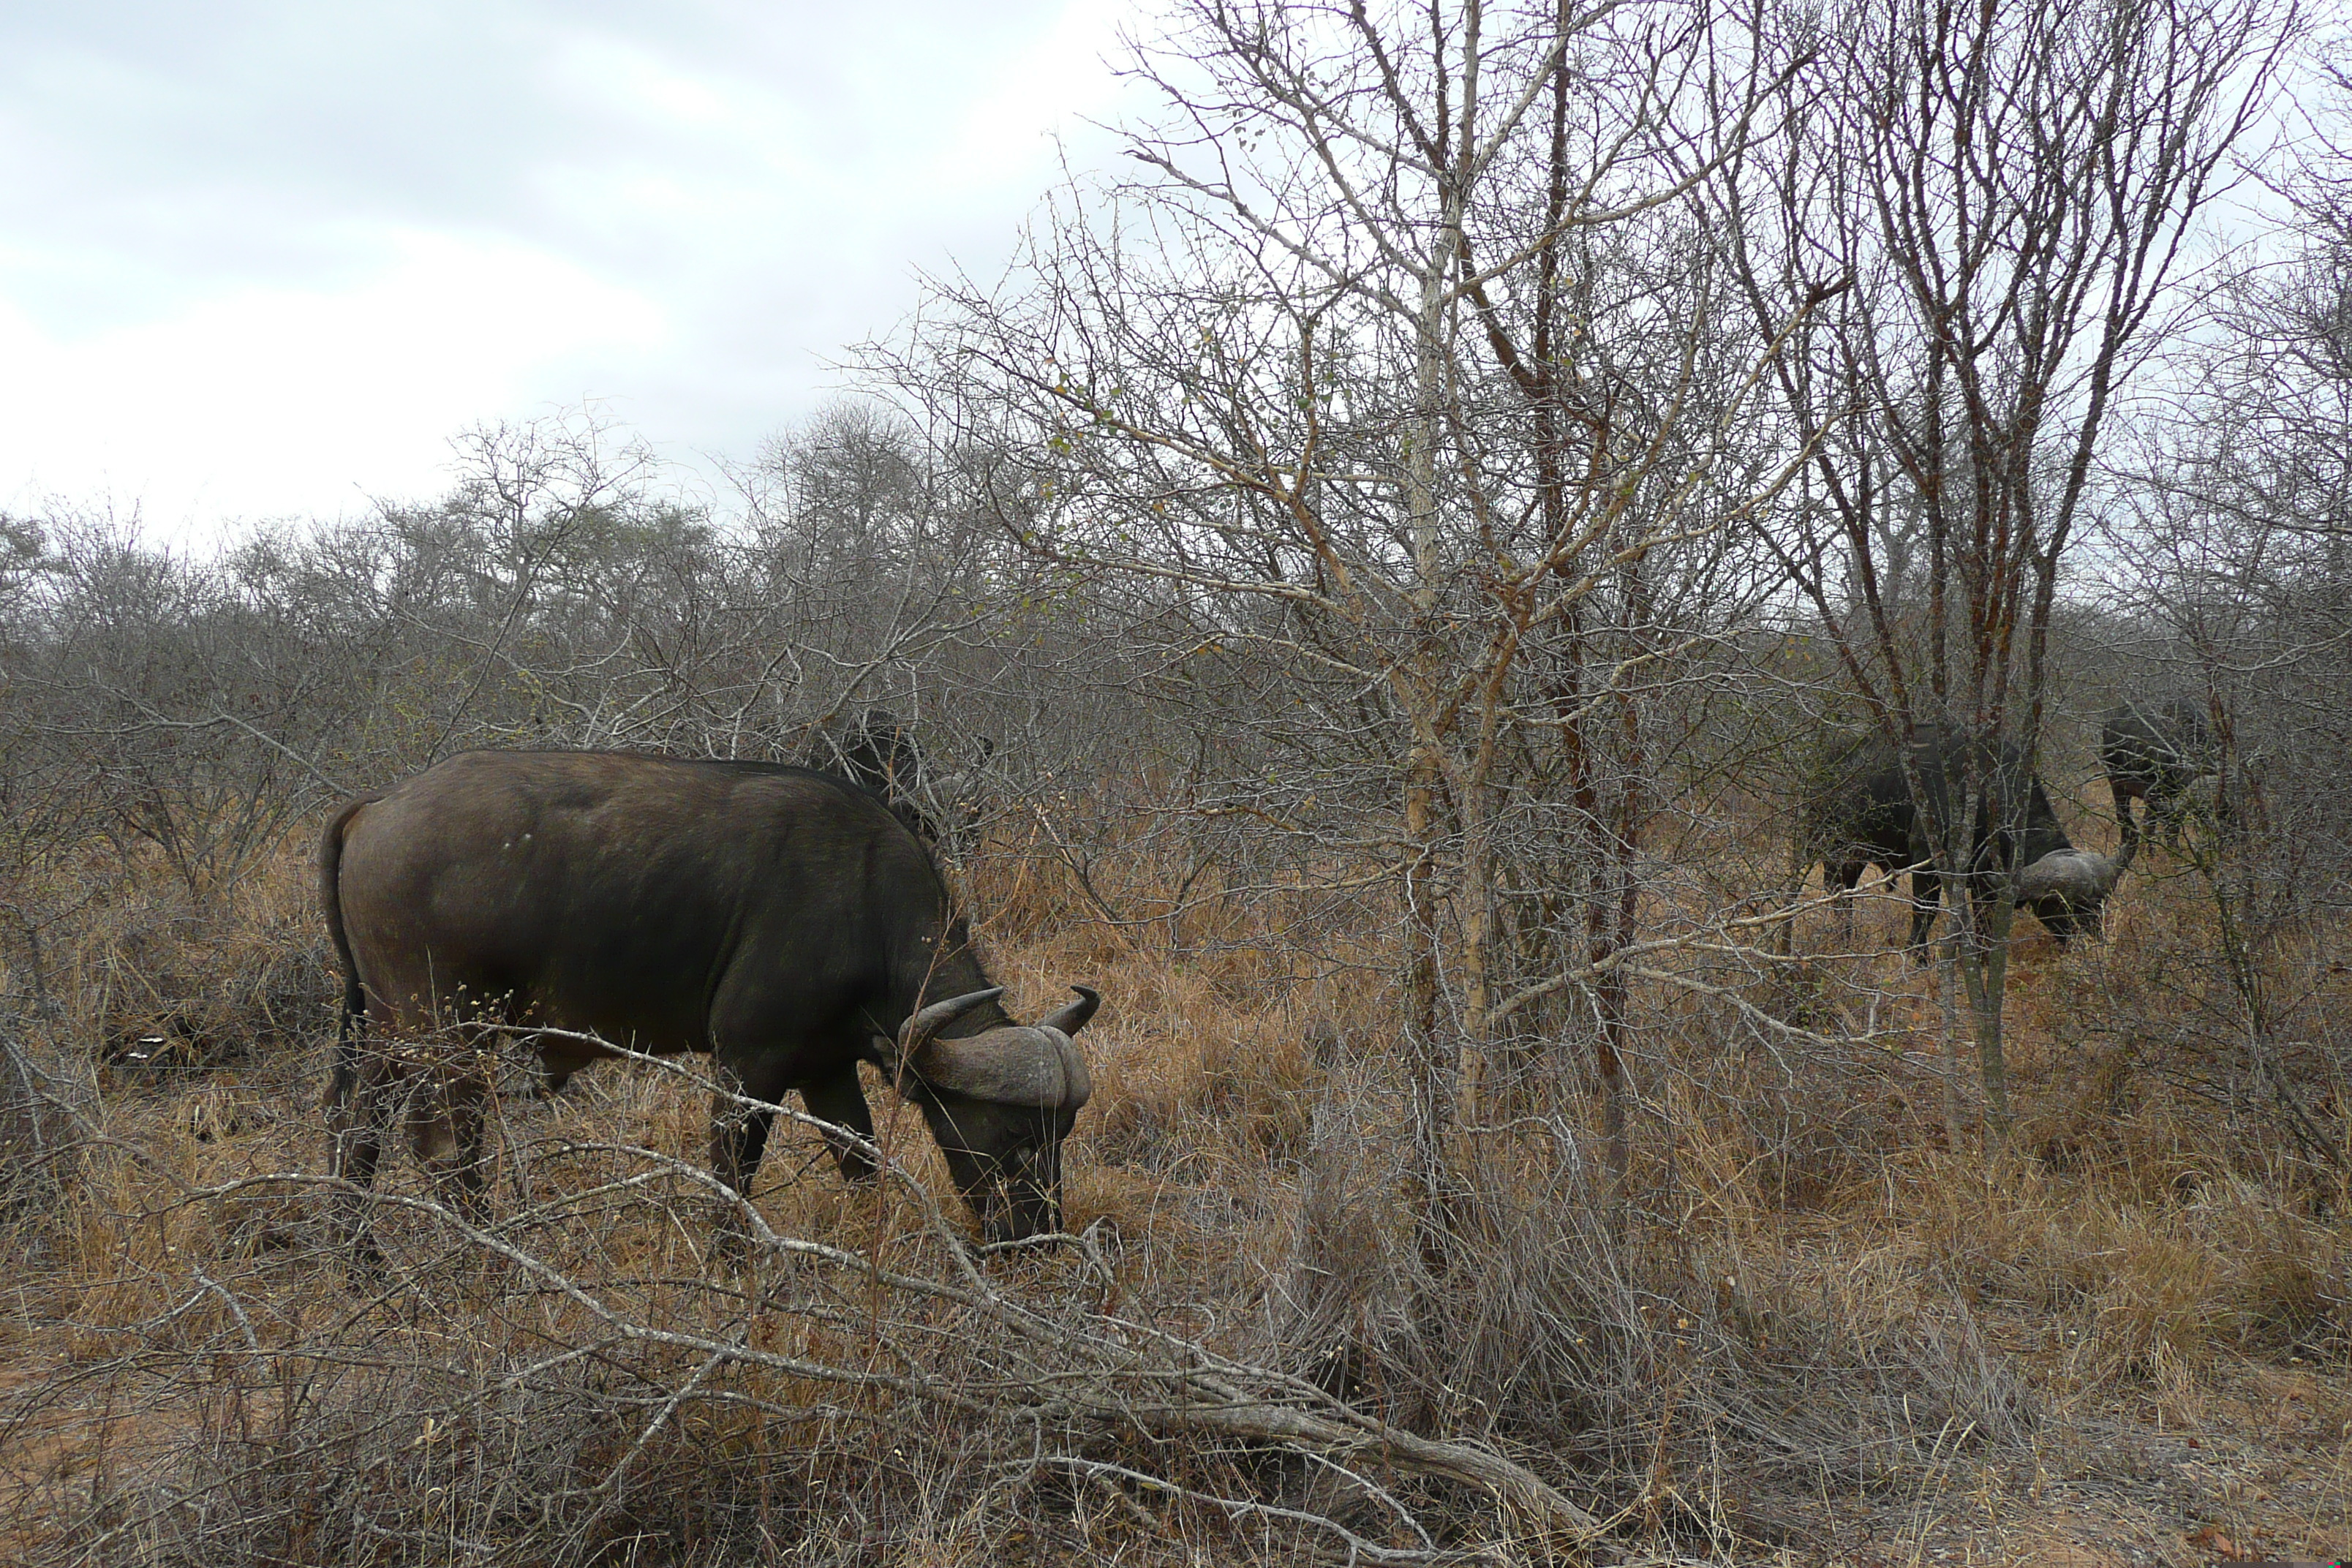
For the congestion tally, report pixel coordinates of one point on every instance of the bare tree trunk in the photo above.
(1436, 1060)
(1987, 982)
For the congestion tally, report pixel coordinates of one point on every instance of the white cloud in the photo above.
(260, 402)
(270, 263)
(1059, 81)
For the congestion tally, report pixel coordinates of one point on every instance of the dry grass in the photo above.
(1814, 1334)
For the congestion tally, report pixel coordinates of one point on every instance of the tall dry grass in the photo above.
(1805, 1316)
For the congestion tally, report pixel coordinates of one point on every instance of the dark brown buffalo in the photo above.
(1859, 811)
(2156, 751)
(787, 923)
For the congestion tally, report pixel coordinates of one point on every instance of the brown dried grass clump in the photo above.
(152, 981)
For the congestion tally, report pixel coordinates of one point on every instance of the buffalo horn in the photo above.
(918, 1031)
(1073, 1017)
(1010, 1065)
(1077, 1084)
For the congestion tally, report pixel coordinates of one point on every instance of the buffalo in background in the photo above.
(1859, 811)
(2157, 751)
(963, 801)
(876, 752)
(780, 920)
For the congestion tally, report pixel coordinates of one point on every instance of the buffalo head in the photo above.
(1000, 1102)
(2068, 889)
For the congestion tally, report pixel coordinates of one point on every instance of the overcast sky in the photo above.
(262, 258)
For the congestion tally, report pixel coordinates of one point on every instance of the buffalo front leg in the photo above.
(2169, 816)
(739, 1137)
(841, 1100)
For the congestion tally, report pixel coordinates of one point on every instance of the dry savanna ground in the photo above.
(1814, 1334)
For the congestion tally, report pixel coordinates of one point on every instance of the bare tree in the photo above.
(2235, 550)
(1395, 404)
(2001, 196)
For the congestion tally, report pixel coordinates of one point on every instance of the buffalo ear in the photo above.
(959, 934)
(1070, 1019)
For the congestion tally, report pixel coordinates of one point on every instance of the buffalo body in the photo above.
(1861, 811)
(783, 922)
(2154, 752)
(876, 752)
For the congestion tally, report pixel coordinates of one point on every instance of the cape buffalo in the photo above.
(876, 752)
(1859, 811)
(962, 801)
(785, 922)
(2154, 752)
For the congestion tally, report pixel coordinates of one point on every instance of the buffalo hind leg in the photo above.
(1838, 877)
(358, 1112)
(2127, 824)
(841, 1100)
(739, 1137)
(448, 1123)
(1799, 868)
(1926, 902)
